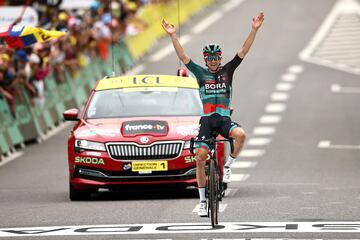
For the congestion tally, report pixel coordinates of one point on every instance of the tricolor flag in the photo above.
(22, 36)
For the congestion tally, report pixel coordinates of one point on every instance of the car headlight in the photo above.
(83, 145)
(187, 145)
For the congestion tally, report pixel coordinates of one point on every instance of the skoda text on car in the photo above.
(134, 131)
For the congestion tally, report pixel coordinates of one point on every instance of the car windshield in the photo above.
(149, 101)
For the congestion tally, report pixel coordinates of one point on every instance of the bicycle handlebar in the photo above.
(211, 142)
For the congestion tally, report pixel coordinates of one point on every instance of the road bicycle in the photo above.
(214, 185)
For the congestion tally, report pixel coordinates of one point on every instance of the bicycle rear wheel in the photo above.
(213, 193)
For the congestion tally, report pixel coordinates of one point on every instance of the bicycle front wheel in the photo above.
(213, 193)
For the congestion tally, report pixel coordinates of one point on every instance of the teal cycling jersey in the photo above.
(215, 88)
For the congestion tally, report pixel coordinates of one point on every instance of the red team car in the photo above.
(134, 131)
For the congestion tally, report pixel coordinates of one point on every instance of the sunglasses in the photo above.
(212, 57)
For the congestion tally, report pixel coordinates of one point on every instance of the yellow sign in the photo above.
(149, 166)
(147, 81)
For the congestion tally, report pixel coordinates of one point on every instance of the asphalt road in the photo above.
(300, 166)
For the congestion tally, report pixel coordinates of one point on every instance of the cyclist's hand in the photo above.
(257, 21)
(168, 27)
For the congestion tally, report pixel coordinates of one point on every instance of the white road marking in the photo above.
(207, 22)
(230, 5)
(270, 119)
(51, 133)
(336, 203)
(296, 69)
(252, 153)
(258, 141)
(289, 77)
(308, 193)
(275, 107)
(243, 164)
(309, 208)
(56, 130)
(283, 197)
(222, 208)
(236, 177)
(284, 86)
(230, 192)
(279, 96)
(264, 130)
(181, 228)
(162, 53)
(11, 157)
(136, 70)
(340, 6)
(336, 88)
(327, 144)
(343, 13)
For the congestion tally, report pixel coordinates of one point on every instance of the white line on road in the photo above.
(56, 130)
(275, 107)
(235, 177)
(341, 6)
(136, 70)
(252, 153)
(336, 88)
(264, 130)
(258, 141)
(327, 144)
(296, 69)
(270, 119)
(284, 86)
(308, 193)
(289, 77)
(230, 192)
(230, 5)
(239, 228)
(279, 96)
(207, 22)
(11, 157)
(162, 53)
(244, 164)
(336, 16)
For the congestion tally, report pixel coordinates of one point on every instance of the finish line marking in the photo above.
(181, 228)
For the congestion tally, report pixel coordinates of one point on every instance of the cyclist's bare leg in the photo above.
(201, 155)
(239, 136)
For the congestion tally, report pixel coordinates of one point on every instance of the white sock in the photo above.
(202, 194)
(230, 161)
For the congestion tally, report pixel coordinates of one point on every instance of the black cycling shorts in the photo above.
(215, 123)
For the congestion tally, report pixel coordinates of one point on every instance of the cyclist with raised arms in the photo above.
(215, 84)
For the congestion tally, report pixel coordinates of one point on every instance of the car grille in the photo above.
(132, 151)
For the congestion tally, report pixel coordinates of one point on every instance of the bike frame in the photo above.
(214, 184)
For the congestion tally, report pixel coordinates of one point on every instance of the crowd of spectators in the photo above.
(90, 32)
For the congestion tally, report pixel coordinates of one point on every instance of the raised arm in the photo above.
(171, 31)
(256, 24)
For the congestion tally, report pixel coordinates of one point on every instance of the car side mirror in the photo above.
(231, 110)
(71, 114)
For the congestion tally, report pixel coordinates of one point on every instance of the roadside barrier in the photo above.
(153, 14)
(33, 124)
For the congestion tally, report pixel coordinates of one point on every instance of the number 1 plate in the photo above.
(149, 166)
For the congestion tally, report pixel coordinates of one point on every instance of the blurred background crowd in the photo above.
(90, 32)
